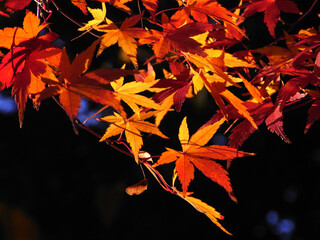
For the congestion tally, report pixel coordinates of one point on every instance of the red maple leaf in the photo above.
(26, 62)
(271, 9)
(14, 5)
(178, 87)
(176, 37)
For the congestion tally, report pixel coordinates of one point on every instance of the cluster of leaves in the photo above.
(197, 41)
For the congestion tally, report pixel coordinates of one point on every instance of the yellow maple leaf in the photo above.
(132, 129)
(99, 16)
(206, 209)
(129, 94)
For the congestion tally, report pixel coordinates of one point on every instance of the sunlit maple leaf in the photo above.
(14, 36)
(129, 94)
(99, 16)
(132, 129)
(205, 11)
(23, 67)
(195, 154)
(271, 9)
(74, 81)
(124, 36)
(204, 208)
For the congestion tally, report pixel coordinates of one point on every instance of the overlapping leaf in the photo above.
(132, 129)
(124, 36)
(25, 64)
(195, 154)
(129, 94)
(74, 81)
(271, 9)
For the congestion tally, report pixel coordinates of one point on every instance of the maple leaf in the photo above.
(99, 16)
(25, 63)
(173, 37)
(131, 128)
(128, 93)
(271, 9)
(124, 36)
(177, 87)
(14, 36)
(195, 154)
(204, 208)
(74, 81)
(81, 4)
(203, 10)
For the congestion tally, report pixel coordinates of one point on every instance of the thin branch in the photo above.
(71, 18)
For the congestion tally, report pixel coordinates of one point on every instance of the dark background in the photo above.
(57, 185)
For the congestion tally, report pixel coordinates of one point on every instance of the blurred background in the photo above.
(57, 185)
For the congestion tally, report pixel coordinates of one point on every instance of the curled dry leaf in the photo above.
(138, 188)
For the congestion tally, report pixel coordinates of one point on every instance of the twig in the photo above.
(71, 19)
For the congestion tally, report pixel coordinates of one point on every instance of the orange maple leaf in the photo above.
(26, 63)
(205, 10)
(74, 81)
(124, 36)
(11, 37)
(195, 154)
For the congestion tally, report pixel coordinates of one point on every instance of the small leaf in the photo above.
(138, 188)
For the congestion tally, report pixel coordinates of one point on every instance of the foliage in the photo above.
(199, 46)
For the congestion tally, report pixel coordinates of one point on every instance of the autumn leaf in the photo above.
(204, 208)
(14, 36)
(138, 188)
(271, 9)
(74, 82)
(129, 94)
(26, 63)
(195, 154)
(124, 36)
(132, 129)
(177, 87)
(99, 16)
(204, 11)
(176, 37)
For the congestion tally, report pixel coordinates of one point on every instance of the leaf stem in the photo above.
(109, 142)
(71, 18)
